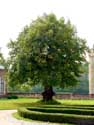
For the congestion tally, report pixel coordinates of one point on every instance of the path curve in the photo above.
(6, 118)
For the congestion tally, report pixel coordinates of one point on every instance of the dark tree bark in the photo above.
(48, 93)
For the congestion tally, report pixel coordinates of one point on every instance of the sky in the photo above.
(15, 14)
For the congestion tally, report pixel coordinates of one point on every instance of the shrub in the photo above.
(63, 110)
(12, 97)
(56, 117)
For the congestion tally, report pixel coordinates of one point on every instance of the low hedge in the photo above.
(61, 106)
(68, 107)
(57, 117)
(63, 110)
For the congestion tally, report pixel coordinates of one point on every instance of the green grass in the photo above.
(80, 105)
(31, 102)
(76, 102)
(28, 102)
(16, 103)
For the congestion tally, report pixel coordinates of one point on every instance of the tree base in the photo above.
(48, 93)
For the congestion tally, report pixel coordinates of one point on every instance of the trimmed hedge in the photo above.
(63, 110)
(68, 106)
(56, 117)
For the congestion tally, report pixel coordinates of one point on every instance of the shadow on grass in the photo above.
(50, 102)
(39, 102)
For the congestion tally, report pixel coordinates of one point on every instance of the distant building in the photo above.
(2, 81)
(91, 72)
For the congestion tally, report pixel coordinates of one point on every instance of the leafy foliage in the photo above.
(81, 88)
(48, 51)
(2, 60)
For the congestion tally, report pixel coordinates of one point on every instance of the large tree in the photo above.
(47, 52)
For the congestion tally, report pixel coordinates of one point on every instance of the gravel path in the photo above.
(6, 118)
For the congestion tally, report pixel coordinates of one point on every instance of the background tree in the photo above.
(47, 52)
(81, 88)
(2, 60)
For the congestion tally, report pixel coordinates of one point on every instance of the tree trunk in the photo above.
(48, 93)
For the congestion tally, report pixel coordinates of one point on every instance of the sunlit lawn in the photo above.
(77, 102)
(16, 103)
(25, 102)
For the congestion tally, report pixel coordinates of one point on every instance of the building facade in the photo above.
(2, 81)
(91, 72)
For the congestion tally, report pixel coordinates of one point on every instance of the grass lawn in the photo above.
(27, 102)
(77, 102)
(16, 103)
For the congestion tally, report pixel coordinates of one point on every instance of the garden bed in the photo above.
(69, 114)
